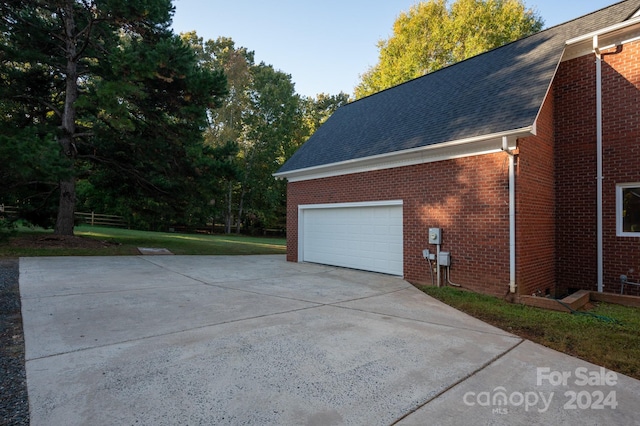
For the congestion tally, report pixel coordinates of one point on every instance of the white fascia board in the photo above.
(614, 35)
(486, 144)
(610, 29)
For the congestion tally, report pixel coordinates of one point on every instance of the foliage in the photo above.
(104, 109)
(434, 34)
(102, 91)
(30, 170)
(7, 228)
(267, 120)
(614, 344)
(319, 109)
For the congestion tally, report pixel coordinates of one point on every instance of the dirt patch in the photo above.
(59, 241)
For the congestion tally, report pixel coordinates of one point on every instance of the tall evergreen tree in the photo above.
(122, 97)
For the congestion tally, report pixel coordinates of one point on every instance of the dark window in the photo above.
(630, 209)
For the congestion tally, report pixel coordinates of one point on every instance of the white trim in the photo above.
(479, 145)
(303, 207)
(619, 207)
(616, 27)
(351, 205)
(615, 35)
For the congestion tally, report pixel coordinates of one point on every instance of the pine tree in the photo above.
(121, 96)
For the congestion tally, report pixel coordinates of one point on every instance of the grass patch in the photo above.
(125, 242)
(188, 243)
(606, 335)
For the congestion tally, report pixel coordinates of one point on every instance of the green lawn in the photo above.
(127, 241)
(606, 335)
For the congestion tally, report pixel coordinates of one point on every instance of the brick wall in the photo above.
(467, 198)
(575, 123)
(555, 193)
(535, 208)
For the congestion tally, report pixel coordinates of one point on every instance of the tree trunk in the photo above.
(243, 186)
(240, 207)
(227, 220)
(64, 221)
(66, 209)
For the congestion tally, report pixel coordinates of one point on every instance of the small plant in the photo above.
(7, 228)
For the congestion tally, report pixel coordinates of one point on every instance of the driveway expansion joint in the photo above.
(462, 380)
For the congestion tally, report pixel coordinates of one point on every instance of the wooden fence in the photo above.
(8, 211)
(98, 219)
(92, 218)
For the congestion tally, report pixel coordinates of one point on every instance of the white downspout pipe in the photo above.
(512, 216)
(599, 178)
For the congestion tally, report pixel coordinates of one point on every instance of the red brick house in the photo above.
(527, 158)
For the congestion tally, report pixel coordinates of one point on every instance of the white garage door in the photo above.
(367, 237)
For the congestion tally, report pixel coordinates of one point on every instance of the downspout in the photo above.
(599, 178)
(512, 215)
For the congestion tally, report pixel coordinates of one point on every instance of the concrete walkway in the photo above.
(201, 340)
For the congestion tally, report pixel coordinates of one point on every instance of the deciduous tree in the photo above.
(320, 108)
(263, 116)
(435, 34)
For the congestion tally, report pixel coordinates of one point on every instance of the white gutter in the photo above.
(599, 177)
(512, 215)
(620, 26)
(477, 145)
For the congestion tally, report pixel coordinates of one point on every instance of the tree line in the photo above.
(103, 108)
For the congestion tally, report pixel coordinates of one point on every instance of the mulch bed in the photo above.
(58, 241)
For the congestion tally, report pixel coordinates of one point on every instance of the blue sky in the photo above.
(324, 44)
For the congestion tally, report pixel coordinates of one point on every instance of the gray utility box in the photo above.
(435, 236)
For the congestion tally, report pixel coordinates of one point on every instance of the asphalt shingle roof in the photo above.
(498, 91)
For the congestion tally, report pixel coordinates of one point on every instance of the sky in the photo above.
(325, 45)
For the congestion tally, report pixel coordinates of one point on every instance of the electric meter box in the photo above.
(445, 258)
(435, 236)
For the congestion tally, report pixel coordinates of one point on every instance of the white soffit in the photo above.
(486, 144)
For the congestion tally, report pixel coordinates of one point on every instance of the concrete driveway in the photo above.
(202, 340)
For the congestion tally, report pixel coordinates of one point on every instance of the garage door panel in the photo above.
(368, 238)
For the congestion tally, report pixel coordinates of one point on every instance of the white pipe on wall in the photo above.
(599, 178)
(512, 224)
(512, 215)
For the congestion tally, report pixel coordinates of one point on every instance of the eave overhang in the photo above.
(478, 145)
(612, 36)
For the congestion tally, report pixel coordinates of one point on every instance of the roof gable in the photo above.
(498, 91)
